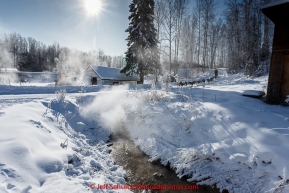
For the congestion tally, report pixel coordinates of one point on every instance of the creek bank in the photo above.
(140, 171)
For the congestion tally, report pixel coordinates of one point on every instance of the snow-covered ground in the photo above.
(210, 133)
(32, 158)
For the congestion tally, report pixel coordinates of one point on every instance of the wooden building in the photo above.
(278, 83)
(100, 75)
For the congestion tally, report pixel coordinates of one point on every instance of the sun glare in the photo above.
(93, 7)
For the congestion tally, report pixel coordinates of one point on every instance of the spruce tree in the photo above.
(142, 54)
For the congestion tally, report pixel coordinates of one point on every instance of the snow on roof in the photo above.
(274, 3)
(112, 73)
(8, 70)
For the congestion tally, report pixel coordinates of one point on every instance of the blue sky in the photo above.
(67, 23)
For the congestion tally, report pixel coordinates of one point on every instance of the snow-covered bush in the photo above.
(81, 92)
(80, 98)
(60, 94)
(185, 123)
(166, 82)
(262, 69)
(152, 95)
(7, 80)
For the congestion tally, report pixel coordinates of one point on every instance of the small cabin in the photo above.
(100, 75)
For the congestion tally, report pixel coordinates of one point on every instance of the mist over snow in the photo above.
(6, 60)
(73, 62)
(109, 107)
(209, 133)
(6, 64)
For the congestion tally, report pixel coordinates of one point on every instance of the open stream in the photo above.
(140, 171)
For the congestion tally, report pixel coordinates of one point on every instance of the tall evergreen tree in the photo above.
(142, 54)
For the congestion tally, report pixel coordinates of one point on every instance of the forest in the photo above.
(190, 34)
(237, 36)
(28, 54)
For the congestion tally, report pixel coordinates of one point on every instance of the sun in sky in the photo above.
(93, 7)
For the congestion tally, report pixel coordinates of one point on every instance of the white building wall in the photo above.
(88, 75)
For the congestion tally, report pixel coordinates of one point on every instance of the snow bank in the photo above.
(46, 146)
(210, 134)
(253, 93)
(213, 135)
(237, 143)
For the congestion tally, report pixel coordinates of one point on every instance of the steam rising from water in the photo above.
(71, 63)
(110, 107)
(6, 62)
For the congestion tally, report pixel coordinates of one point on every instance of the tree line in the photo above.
(237, 36)
(28, 54)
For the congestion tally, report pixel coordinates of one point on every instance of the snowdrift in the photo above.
(35, 156)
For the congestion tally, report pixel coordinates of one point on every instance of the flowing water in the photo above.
(140, 171)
